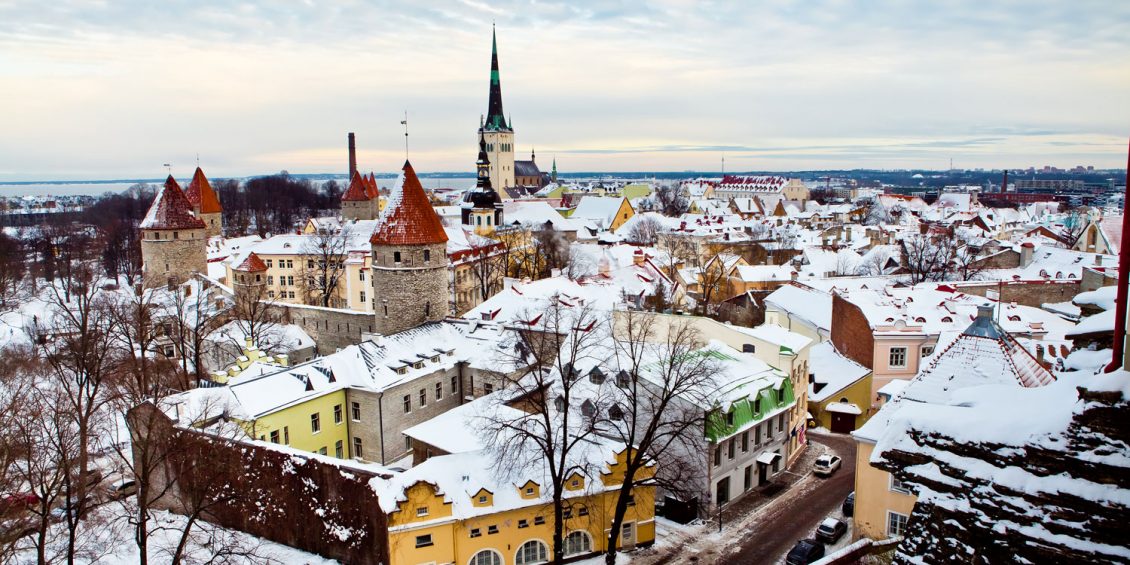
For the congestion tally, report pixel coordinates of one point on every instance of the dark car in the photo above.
(849, 505)
(831, 530)
(804, 552)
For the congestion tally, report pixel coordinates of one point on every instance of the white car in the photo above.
(826, 465)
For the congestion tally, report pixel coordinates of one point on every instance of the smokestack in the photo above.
(1004, 183)
(352, 156)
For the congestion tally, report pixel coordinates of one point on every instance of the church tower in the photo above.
(205, 204)
(173, 244)
(482, 208)
(496, 130)
(409, 259)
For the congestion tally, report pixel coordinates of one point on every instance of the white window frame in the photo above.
(891, 357)
(898, 486)
(892, 517)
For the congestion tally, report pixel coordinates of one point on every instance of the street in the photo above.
(762, 528)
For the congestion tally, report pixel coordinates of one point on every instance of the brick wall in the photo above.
(851, 334)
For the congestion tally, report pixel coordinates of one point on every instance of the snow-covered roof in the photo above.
(831, 371)
(459, 430)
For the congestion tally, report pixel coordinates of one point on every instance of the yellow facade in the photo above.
(623, 214)
(857, 393)
(294, 425)
(284, 281)
(423, 530)
(875, 497)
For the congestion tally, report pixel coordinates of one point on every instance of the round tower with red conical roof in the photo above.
(249, 280)
(409, 259)
(173, 239)
(205, 204)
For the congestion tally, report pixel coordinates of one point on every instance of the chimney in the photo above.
(352, 156)
(985, 311)
(1027, 250)
(638, 257)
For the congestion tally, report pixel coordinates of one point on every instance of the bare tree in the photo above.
(325, 254)
(487, 265)
(645, 231)
(558, 426)
(966, 262)
(671, 201)
(655, 407)
(713, 282)
(13, 271)
(257, 318)
(194, 311)
(926, 258)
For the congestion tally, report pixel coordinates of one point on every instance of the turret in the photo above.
(482, 208)
(173, 240)
(205, 204)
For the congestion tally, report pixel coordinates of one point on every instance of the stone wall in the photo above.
(359, 209)
(296, 499)
(331, 328)
(1027, 293)
(411, 291)
(172, 258)
(213, 224)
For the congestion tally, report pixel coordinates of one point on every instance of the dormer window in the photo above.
(482, 499)
(422, 511)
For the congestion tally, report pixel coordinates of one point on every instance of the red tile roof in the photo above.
(371, 190)
(357, 191)
(409, 218)
(171, 210)
(200, 193)
(252, 264)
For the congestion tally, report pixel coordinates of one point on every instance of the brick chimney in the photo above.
(352, 155)
(638, 257)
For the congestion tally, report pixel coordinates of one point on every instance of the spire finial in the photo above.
(404, 123)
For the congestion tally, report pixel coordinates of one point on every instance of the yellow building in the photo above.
(839, 392)
(458, 509)
(605, 212)
(882, 503)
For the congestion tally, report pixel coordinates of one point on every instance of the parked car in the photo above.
(92, 478)
(831, 530)
(59, 514)
(121, 488)
(826, 465)
(16, 503)
(804, 552)
(849, 505)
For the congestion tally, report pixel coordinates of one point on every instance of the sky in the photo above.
(105, 89)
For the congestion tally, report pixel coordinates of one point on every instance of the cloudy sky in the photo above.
(109, 89)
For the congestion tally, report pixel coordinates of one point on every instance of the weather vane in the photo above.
(404, 123)
(168, 167)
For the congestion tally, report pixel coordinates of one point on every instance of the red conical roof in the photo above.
(409, 218)
(171, 210)
(252, 264)
(358, 190)
(200, 193)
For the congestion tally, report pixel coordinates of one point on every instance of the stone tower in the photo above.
(249, 280)
(482, 208)
(205, 204)
(360, 200)
(496, 130)
(409, 259)
(173, 240)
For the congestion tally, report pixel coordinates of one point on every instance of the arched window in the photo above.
(486, 557)
(531, 552)
(578, 543)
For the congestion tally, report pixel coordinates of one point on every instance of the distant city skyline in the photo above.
(116, 90)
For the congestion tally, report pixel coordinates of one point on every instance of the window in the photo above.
(897, 357)
(337, 414)
(322, 451)
(357, 451)
(492, 529)
(615, 413)
(927, 350)
(286, 435)
(486, 556)
(339, 449)
(362, 296)
(355, 409)
(533, 551)
(407, 442)
(781, 422)
(577, 543)
(395, 256)
(539, 520)
(424, 540)
(488, 388)
(427, 255)
(315, 423)
(422, 511)
(407, 403)
(362, 275)
(748, 479)
(482, 499)
(896, 523)
(423, 397)
(275, 436)
(588, 408)
(439, 391)
(523, 523)
(717, 455)
(745, 441)
(270, 279)
(584, 510)
(270, 263)
(475, 532)
(898, 486)
(454, 384)
(730, 448)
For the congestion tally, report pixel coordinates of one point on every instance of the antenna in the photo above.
(168, 167)
(197, 159)
(723, 163)
(404, 123)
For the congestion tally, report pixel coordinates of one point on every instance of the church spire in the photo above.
(496, 120)
(483, 165)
